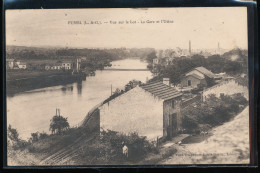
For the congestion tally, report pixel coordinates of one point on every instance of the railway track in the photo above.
(68, 151)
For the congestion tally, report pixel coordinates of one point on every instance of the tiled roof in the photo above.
(56, 64)
(9, 59)
(205, 72)
(161, 90)
(68, 61)
(196, 76)
(22, 63)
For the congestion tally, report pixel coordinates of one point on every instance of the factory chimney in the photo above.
(189, 47)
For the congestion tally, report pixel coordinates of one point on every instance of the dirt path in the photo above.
(228, 144)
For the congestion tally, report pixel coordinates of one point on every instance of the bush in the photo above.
(43, 135)
(108, 148)
(189, 123)
(13, 139)
(12, 134)
(214, 111)
(34, 137)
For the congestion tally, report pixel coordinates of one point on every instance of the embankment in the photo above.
(25, 84)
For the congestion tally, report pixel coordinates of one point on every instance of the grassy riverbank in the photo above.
(20, 81)
(18, 74)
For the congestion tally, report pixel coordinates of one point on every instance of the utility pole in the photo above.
(111, 90)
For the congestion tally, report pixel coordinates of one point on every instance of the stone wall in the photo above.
(227, 88)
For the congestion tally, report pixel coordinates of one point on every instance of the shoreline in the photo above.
(16, 86)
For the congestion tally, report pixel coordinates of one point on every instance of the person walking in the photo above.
(125, 150)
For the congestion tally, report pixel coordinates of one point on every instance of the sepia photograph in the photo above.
(127, 86)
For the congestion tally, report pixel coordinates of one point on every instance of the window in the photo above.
(189, 82)
(173, 104)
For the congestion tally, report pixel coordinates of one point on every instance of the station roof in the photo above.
(161, 90)
(196, 76)
(205, 71)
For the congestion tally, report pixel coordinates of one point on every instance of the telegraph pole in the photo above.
(111, 90)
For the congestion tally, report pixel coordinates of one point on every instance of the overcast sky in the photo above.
(205, 27)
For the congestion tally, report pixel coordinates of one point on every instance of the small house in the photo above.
(198, 77)
(151, 110)
(47, 67)
(22, 65)
(56, 66)
(10, 63)
(156, 61)
(67, 65)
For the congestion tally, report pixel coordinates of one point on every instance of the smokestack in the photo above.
(166, 81)
(189, 47)
(218, 48)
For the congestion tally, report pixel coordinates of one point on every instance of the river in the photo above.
(32, 111)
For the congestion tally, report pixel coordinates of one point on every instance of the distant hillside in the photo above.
(27, 53)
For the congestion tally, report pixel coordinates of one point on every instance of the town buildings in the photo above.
(151, 110)
(68, 65)
(154, 109)
(10, 63)
(56, 66)
(22, 65)
(156, 61)
(15, 64)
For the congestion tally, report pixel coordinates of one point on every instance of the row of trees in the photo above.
(56, 53)
(215, 63)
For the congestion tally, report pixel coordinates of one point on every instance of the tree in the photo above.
(42, 135)
(151, 56)
(199, 60)
(59, 124)
(12, 134)
(34, 137)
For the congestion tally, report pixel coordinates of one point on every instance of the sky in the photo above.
(203, 26)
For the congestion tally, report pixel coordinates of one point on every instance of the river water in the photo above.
(32, 111)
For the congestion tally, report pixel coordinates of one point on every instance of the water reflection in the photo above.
(66, 89)
(31, 111)
(79, 87)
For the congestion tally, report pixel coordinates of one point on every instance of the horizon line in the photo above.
(97, 47)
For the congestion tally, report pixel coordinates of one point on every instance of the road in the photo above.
(229, 144)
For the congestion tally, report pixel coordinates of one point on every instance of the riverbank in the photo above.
(25, 80)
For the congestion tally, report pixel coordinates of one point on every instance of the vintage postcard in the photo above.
(127, 86)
